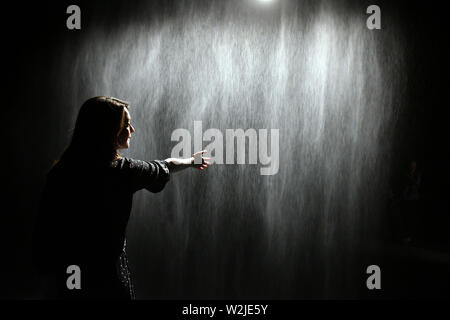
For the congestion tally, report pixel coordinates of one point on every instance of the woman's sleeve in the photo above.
(150, 175)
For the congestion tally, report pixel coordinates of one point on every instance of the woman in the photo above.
(87, 201)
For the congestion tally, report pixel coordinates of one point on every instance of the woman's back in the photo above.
(84, 212)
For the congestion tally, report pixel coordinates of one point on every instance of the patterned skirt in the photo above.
(123, 271)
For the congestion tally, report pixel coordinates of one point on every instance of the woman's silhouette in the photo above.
(86, 203)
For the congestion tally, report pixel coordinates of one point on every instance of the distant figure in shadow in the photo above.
(411, 203)
(86, 203)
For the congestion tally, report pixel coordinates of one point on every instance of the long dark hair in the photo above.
(97, 129)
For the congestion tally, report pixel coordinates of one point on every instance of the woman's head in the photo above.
(101, 129)
(124, 136)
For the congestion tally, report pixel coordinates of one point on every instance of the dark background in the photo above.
(31, 36)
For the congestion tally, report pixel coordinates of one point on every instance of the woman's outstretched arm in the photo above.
(177, 164)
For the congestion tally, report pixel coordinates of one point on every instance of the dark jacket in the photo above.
(82, 220)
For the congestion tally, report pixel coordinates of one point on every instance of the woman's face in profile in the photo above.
(125, 134)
